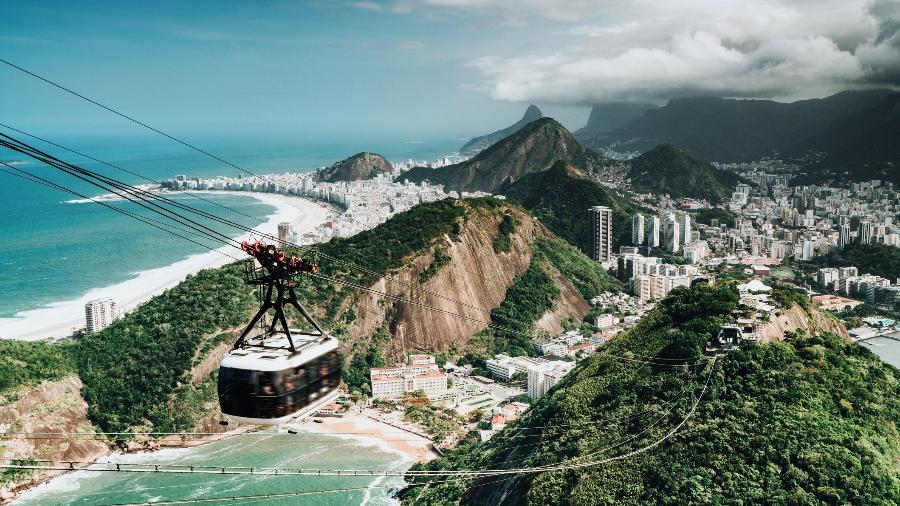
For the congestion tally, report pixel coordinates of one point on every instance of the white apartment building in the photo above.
(393, 382)
(653, 233)
(655, 287)
(542, 377)
(637, 229)
(99, 314)
(504, 366)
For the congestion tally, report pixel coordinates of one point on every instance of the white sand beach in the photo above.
(60, 319)
(412, 447)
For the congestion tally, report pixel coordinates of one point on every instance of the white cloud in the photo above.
(657, 49)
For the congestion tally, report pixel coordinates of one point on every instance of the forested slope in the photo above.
(809, 420)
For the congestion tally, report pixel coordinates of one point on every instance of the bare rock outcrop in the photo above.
(813, 321)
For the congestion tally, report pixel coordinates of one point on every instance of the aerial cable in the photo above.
(104, 183)
(238, 226)
(251, 470)
(128, 195)
(209, 232)
(118, 167)
(149, 221)
(160, 132)
(129, 118)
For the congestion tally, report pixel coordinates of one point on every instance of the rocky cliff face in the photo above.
(50, 407)
(357, 167)
(796, 318)
(476, 275)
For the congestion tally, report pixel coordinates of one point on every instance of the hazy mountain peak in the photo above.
(477, 144)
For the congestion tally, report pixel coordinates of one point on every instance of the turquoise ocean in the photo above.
(308, 451)
(53, 251)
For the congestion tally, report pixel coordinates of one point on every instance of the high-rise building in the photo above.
(284, 232)
(653, 233)
(601, 233)
(672, 233)
(99, 314)
(844, 239)
(865, 232)
(637, 229)
(542, 377)
(685, 224)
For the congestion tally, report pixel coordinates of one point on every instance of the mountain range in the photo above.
(610, 116)
(852, 129)
(533, 148)
(476, 145)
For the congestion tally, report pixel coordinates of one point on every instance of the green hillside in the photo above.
(811, 420)
(533, 148)
(877, 259)
(667, 169)
(560, 198)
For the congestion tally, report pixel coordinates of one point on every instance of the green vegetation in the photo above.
(876, 259)
(667, 169)
(438, 422)
(440, 260)
(560, 198)
(15, 476)
(725, 217)
(587, 276)
(534, 293)
(24, 363)
(131, 369)
(365, 356)
(502, 243)
(787, 297)
(191, 404)
(811, 420)
(531, 295)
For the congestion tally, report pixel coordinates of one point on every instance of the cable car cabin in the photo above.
(262, 383)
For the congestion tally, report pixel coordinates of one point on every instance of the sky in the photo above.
(423, 68)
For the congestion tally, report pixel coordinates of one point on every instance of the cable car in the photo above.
(264, 383)
(281, 373)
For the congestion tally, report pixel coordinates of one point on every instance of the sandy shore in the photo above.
(358, 426)
(60, 319)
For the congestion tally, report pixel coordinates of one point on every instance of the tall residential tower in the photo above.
(637, 229)
(601, 233)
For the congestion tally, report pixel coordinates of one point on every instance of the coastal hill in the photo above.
(477, 144)
(866, 146)
(806, 420)
(534, 148)
(731, 130)
(501, 263)
(560, 197)
(667, 169)
(359, 166)
(609, 116)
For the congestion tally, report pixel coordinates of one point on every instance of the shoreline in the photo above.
(60, 319)
(357, 427)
